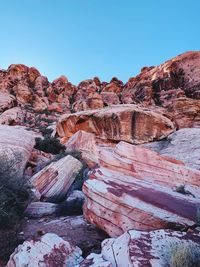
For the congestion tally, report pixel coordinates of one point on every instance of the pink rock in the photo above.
(135, 188)
(142, 248)
(129, 123)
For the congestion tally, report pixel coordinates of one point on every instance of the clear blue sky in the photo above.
(86, 38)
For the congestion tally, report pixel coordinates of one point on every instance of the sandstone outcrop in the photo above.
(123, 122)
(16, 145)
(53, 181)
(136, 188)
(173, 85)
(144, 248)
(183, 145)
(49, 250)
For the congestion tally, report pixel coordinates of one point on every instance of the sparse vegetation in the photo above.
(181, 189)
(185, 255)
(49, 144)
(15, 193)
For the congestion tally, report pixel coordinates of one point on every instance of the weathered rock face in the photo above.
(183, 145)
(6, 101)
(54, 180)
(139, 248)
(16, 145)
(124, 122)
(135, 188)
(173, 85)
(50, 250)
(179, 73)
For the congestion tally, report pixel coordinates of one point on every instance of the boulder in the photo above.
(184, 145)
(16, 145)
(54, 181)
(49, 250)
(136, 188)
(147, 248)
(130, 123)
(40, 209)
(12, 116)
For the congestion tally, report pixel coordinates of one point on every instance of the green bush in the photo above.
(185, 255)
(49, 144)
(15, 193)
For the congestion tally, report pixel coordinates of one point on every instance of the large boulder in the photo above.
(129, 123)
(148, 248)
(136, 188)
(48, 251)
(54, 181)
(183, 145)
(16, 145)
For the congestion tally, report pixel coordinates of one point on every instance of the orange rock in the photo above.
(130, 123)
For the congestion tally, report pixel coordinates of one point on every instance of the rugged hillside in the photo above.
(102, 160)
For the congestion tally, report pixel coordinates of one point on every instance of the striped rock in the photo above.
(136, 188)
(129, 123)
(147, 248)
(54, 181)
(16, 145)
(40, 209)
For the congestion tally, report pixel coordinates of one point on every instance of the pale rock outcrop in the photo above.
(6, 101)
(183, 145)
(85, 143)
(40, 209)
(12, 116)
(49, 250)
(16, 145)
(136, 188)
(129, 123)
(54, 180)
(142, 248)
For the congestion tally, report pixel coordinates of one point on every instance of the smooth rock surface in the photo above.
(16, 144)
(135, 188)
(54, 180)
(183, 145)
(40, 209)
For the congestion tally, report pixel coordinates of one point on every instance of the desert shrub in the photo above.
(185, 255)
(15, 193)
(45, 131)
(74, 153)
(49, 144)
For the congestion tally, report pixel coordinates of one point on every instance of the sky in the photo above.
(106, 38)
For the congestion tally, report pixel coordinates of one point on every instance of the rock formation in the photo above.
(54, 180)
(50, 250)
(16, 144)
(135, 188)
(121, 122)
(144, 248)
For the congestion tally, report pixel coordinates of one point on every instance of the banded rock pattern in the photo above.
(135, 188)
